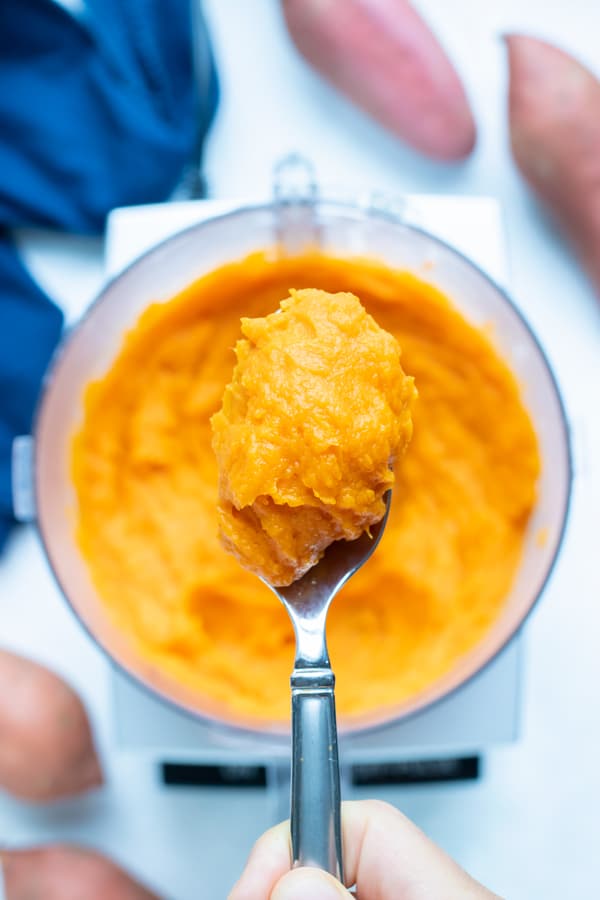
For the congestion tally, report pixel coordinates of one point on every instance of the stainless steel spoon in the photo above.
(315, 812)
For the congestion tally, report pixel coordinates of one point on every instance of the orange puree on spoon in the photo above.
(317, 411)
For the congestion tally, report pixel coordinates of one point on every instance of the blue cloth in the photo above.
(98, 110)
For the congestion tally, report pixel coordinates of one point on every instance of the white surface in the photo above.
(486, 711)
(529, 829)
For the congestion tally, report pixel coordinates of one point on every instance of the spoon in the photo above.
(315, 804)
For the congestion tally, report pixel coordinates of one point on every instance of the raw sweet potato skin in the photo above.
(382, 55)
(46, 745)
(554, 114)
(59, 872)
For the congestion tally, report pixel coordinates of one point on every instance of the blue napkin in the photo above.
(101, 109)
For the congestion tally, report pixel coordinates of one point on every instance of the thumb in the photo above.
(300, 884)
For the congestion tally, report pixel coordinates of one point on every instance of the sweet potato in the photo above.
(554, 111)
(384, 57)
(46, 746)
(58, 872)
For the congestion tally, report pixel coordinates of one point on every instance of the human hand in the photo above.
(387, 857)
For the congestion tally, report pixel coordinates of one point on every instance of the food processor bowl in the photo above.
(287, 225)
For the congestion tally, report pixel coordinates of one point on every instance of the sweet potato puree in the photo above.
(317, 411)
(146, 483)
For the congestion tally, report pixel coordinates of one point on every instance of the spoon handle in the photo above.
(315, 814)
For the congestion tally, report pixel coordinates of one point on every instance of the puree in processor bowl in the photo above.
(146, 484)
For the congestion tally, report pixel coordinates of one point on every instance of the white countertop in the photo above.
(529, 827)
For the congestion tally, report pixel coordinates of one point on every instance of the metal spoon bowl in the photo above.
(315, 801)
